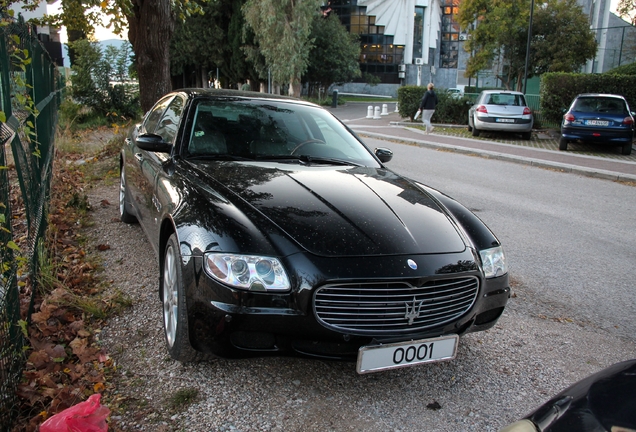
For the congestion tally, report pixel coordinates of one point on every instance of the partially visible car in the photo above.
(456, 93)
(603, 402)
(501, 111)
(279, 232)
(598, 118)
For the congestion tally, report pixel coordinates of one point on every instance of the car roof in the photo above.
(601, 95)
(227, 93)
(501, 91)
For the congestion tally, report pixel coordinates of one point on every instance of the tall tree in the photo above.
(199, 42)
(282, 31)
(559, 25)
(498, 35)
(335, 54)
(150, 26)
(499, 30)
(627, 10)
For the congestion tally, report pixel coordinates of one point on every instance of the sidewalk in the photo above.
(541, 151)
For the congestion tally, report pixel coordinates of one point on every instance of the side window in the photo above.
(169, 123)
(155, 113)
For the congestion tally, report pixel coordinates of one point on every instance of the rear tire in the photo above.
(475, 130)
(563, 144)
(175, 311)
(124, 211)
(627, 149)
(526, 136)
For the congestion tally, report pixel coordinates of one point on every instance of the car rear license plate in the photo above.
(374, 358)
(597, 122)
(504, 120)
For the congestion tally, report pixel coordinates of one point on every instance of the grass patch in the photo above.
(183, 398)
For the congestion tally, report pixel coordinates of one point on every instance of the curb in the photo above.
(567, 168)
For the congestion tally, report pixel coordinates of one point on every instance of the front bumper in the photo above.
(231, 323)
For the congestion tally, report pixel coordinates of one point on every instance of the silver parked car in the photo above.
(500, 110)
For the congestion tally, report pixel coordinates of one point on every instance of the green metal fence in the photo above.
(26, 154)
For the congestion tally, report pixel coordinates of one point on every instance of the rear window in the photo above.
(505, 99)
(600, 105)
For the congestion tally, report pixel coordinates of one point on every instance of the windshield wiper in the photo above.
(326, 160)
(308, 159)
(223, 157)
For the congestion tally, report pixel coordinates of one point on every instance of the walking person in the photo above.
(427, 107)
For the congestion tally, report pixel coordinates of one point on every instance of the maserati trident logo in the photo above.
(413, 310)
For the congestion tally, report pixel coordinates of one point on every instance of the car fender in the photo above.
(479, 234)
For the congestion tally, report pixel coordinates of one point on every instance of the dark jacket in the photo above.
(429, 101)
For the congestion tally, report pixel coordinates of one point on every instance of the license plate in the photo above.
(504, 120)
(401, 354)
(597, 122)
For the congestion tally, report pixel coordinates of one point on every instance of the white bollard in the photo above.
(370, 111)
(385, 109)
(376, 113)
(396, 107)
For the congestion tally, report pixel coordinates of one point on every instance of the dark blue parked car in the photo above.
(598, 118)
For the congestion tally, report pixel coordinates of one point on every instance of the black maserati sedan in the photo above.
(279, 232)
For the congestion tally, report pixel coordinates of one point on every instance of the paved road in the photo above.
(542, 151)
(569, 238)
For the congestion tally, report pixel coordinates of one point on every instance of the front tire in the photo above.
(563, 144)
(175, 313)
(124, 211)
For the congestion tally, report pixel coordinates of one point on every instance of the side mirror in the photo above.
(153, 143)
(384, 154)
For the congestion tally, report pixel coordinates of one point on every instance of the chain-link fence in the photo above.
(30, 87)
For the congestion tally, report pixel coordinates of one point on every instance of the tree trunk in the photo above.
(294, 88)
(150, 28)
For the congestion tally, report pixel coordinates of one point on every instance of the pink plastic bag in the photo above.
(87, 416)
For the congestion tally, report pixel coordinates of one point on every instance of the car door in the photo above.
(134, 158)
(153, 165)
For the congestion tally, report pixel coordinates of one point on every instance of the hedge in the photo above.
(450, 109)
(558, 89)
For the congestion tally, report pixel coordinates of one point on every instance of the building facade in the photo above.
(414, 42)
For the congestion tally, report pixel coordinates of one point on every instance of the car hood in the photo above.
(340, 211)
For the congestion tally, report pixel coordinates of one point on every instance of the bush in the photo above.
(93, 76)
(628, 69)
(558, 89)
(449, 109)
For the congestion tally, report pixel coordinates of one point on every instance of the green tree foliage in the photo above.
(558, 26)
(150, 25)
(334, 56)
(498, 34)
(499, 30)
(199, 42)
(93, 73)
(282, 32)
(628, 69)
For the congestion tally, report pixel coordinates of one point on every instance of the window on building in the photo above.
(378, 55)
(449, 46)
(418, 33)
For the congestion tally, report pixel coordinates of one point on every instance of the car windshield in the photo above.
(272, 130)
(505, 99)
(599, 104)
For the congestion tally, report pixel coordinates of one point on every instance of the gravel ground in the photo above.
(498, 376)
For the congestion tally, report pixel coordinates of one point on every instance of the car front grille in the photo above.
(394, 307)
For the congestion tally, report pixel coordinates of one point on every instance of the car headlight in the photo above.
(247, 272)
(494, 262)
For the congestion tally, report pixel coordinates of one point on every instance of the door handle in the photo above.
(139, 157)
